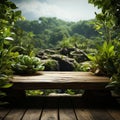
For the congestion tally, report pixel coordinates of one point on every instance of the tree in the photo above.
(109, 8)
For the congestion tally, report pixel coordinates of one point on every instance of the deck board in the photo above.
(3, 112)
(60, 108)
(32, 114)
(50, 111)
(15, 114)
(115, 113)
(81, 109)
(66, 111)
(100, 114)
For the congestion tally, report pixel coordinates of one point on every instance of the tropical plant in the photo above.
(110, 18)
(8, 16)
(27, 65)
(103, 60)
(110, 8)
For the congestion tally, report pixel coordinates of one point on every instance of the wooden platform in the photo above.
(61, 108)
(93, 85)
(60, 80)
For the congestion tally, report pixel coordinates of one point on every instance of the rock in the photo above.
(66, 51)
(79, 56)
(50, 51)
(42, 55)
(58, 94)
(65, 63)
(51, 65)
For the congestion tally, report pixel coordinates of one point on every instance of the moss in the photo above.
(51, 65)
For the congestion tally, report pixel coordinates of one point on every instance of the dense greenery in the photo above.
(25, 64)
(107, 58)
(8, 17)
(110, 10)
(50, 32)
(99, 38)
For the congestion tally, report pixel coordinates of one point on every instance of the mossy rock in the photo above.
(51, 65)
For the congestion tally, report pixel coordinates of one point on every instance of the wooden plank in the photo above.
(60, 77)
(83, 114)
(3, 112)
(100, 114)
(34, 108)
(57, 80)
(81, 110)
(32, 114)
(50, 111)
(15, 114)
(66, 111)
(115, 113)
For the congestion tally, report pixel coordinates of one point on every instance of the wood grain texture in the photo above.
(115, 113)
(60, 108)
(56, 80)
(100, 114)
(50, 110)
(15, 114)
(66, 111)
(3, 113)
(32, 114)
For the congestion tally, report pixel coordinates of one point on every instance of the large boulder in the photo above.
(65, 63)
(77, 54)
(66, 51)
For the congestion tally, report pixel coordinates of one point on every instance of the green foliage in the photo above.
(65, 43)
(85, 28)
(109, 20)
(107, 62)
(24, 41)
(70, 91)
(4, 81)
(8, 16)
(34, 92)
(49, 32)
(27, 65)
(115, 79)
(103, 61)
(51, 65)
(110, 8)
(73, 92)
(85, 66)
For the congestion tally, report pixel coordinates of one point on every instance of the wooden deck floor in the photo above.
(61, 108)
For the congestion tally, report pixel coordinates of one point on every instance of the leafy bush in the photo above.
(103, 60)
(115, 79)
(4, 81)
(107, 62)
(34, 92)
(8, 16)
(27, 65)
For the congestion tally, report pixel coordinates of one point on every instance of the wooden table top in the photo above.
(60, 77)
(60, 80)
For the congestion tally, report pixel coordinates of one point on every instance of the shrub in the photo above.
(103, 60)
(25, 64)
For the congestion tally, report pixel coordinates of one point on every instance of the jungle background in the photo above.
(86, 45)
